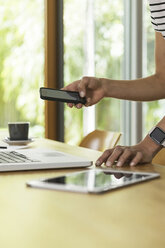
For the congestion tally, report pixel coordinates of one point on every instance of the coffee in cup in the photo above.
(18, 130)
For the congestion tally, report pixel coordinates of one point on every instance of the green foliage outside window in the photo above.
(21, 62)
(109, 32)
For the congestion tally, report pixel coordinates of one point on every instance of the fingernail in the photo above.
(98, 163)
(82, 94)
(119, 164)
(88, 100)
(78, 106)
(108, 163)
(132, 164)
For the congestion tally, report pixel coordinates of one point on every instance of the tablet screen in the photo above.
(94, 181)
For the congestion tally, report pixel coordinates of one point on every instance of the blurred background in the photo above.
(94, 45)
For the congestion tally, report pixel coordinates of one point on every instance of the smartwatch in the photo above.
(158, 136)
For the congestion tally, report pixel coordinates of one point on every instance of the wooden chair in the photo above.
(159, 158)
(100, 140)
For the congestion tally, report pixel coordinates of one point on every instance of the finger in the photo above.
(114, 156)
(118, 175)
(88, 102)
(65, 87)
(103, 158)
(70, 105)
(82, 86)
(124, 157)
(72, 87)
(128, 175)
(136, 159)
(78, 106)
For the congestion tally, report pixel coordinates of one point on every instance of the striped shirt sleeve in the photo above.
(157, 8)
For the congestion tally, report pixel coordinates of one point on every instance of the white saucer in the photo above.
(17, 142)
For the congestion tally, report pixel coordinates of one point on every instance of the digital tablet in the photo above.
(93, 180)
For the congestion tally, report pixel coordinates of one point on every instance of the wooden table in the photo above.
(34, 218)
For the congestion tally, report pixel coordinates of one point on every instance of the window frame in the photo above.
(133, 68)
(54, 112)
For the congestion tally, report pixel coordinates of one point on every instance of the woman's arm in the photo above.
(143, 89)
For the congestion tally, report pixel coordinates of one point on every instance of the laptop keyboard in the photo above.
(14, 157)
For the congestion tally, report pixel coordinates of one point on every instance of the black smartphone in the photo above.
(61, 95)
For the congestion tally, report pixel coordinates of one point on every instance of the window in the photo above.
(22, 63)
(152, 111)
(93, 45)
(109, 50)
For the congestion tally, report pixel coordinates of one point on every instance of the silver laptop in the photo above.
(37, 159)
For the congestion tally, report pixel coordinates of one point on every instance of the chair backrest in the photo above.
(159, 158)
(100, 140)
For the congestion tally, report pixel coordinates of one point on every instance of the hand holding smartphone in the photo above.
(61, 95)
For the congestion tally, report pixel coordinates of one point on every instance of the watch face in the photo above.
(158, 135)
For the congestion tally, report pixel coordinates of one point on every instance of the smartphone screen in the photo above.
(61, 95)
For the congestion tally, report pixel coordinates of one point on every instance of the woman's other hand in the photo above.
(132, 155)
